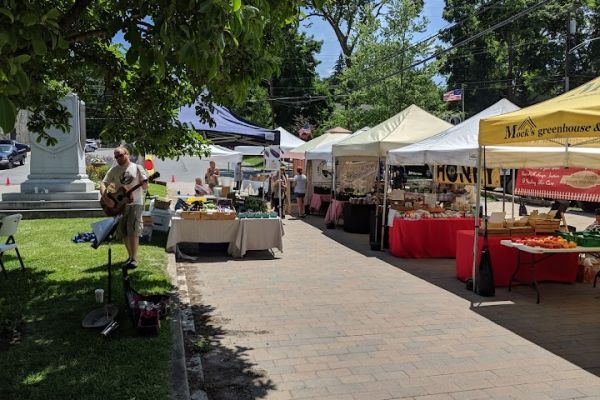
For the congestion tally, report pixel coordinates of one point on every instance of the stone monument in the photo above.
(58, 172)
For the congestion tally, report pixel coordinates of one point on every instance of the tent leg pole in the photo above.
(503, 194)
(514, 177)
(476, 234)
(384, 209)
(333, 180)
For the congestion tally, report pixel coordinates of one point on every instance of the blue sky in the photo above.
(330, 51)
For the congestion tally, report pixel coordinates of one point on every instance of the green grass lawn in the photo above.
(54, 357)
(157, 190)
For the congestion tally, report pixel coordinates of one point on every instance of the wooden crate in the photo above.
(217, 216)
(544, 225)
(191, 215)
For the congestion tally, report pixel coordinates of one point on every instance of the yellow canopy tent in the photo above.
(560, 132)
(571, 119)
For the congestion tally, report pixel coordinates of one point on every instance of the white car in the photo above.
(90, 145)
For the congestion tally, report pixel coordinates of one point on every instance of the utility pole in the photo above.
(462, 97)
(571, 29)
(271, 103)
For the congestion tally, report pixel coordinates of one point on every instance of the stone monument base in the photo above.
(57, 185)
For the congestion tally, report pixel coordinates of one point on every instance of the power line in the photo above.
(439, 53)
(438, 33)
(435, 55)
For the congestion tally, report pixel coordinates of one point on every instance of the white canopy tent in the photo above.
(407, 127)
(458, 145)
(250, 150)
(324, 151)
(288, 142)
(299, 152)
(187, 168)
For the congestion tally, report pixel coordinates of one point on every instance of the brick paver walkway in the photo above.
(324, 321)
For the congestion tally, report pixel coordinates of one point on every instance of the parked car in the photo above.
(10, 156)
(90, 145)
(22, 147)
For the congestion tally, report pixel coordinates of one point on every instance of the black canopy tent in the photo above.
(229, 129)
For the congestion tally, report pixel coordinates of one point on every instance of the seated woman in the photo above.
(201, 189)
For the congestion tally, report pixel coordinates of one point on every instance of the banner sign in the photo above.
(322, 173)
(559, 183)
(357, 175)
(272, 155)
(464, 175)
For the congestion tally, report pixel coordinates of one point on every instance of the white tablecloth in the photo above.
(391, 215)
(257, 234)
(200, 231)
(241, 234)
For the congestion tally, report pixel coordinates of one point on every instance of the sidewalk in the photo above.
(324, 321)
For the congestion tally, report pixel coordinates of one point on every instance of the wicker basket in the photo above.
(162, 204)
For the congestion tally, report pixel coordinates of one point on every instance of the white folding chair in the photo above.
(8, 228)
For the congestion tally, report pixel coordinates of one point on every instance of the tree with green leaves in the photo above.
(523, 61)
(346, 17)
(175, 52)
(296, 92)
(379, 82)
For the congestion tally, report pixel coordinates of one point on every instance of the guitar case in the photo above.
(485, 277)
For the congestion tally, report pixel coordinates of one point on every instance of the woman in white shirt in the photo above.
(300, 182)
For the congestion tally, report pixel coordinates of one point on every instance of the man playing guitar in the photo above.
(127, 174)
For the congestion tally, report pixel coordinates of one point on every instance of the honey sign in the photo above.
(465, 175)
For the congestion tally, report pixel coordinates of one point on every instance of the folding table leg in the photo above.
(534, 279)
(2, 265)
(20, 259)
(513, 276)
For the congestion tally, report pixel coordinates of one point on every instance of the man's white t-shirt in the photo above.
(300, 184)
(128, 176)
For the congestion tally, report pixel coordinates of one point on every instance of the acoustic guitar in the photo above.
(121, 198)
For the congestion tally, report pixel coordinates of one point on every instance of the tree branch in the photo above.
(83, 36)
(74, 13)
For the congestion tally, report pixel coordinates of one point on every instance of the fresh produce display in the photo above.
(546, 242)
(255, 204)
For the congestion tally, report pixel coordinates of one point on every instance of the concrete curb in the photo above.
(182, 322)
(180, 388)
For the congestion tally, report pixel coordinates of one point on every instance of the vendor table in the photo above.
(257, 234)
(334, 211)
(543, 254)
(426, 238)
(200, 231)
(241, 234)
(356, 217)
(317, 199)
(562, 268)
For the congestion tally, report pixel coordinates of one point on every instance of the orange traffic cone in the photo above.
(172, 178)
(7, 183)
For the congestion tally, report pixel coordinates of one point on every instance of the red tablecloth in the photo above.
(426, 238)
(317, 199)
(557, 268)
(334, 211)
